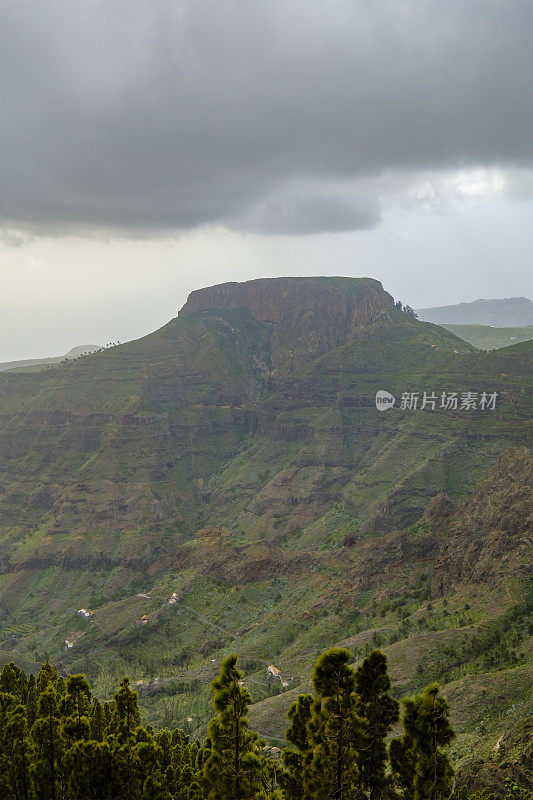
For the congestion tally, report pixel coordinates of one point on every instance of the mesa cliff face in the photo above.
(309, 316)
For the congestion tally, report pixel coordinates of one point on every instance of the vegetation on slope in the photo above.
(285, 514)
(59, 741)
(485, 337)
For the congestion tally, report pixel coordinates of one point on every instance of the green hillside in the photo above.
(485, 337)
(239, 466)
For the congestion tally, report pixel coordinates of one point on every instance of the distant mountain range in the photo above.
(508, 312)
(36, 364)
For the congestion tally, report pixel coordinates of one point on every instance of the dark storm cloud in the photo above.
(127, 115)
(288, 214)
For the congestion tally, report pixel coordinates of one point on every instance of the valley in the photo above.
(234, 461)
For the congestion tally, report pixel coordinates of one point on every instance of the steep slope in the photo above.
(491, 536)
(471, 632)
(320, 445)
(235, 461)
(121, 438)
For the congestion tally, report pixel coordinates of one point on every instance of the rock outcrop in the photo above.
(309, 316)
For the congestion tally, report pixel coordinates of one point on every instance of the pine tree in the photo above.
(46, 675)
(14, 747)
(109, 710)
(91, 771)
(17, 736)
(31, 701)
(149, 760)
(232, 767)
(76, 750)
(121, 737)
(402, 757)
(13, 681)
(334, 730)
(426, 723)
(97, 723)
(380, 711)
(7, 702)
(163, 740)
(76, 707)
(299, 715)
(154, 789)
(48, 746)
(187, 763)
(125, 715)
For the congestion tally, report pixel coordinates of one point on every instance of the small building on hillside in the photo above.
(72, 639)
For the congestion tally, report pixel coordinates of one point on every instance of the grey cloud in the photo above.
(14, 238)
(137, 116)
(519, 183)
(286, 215)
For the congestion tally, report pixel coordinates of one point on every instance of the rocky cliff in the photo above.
(309, 317)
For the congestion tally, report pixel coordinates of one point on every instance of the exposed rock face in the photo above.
(309, 316)
(490, 535)
(439, 508)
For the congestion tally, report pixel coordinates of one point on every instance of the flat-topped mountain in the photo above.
(235, 461)
(309, 315)
(511, 312)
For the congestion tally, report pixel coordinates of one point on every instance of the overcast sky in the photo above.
(149, 147)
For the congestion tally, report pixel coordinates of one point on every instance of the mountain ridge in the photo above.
(271, 497)
(508, 312)
(28, 363)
